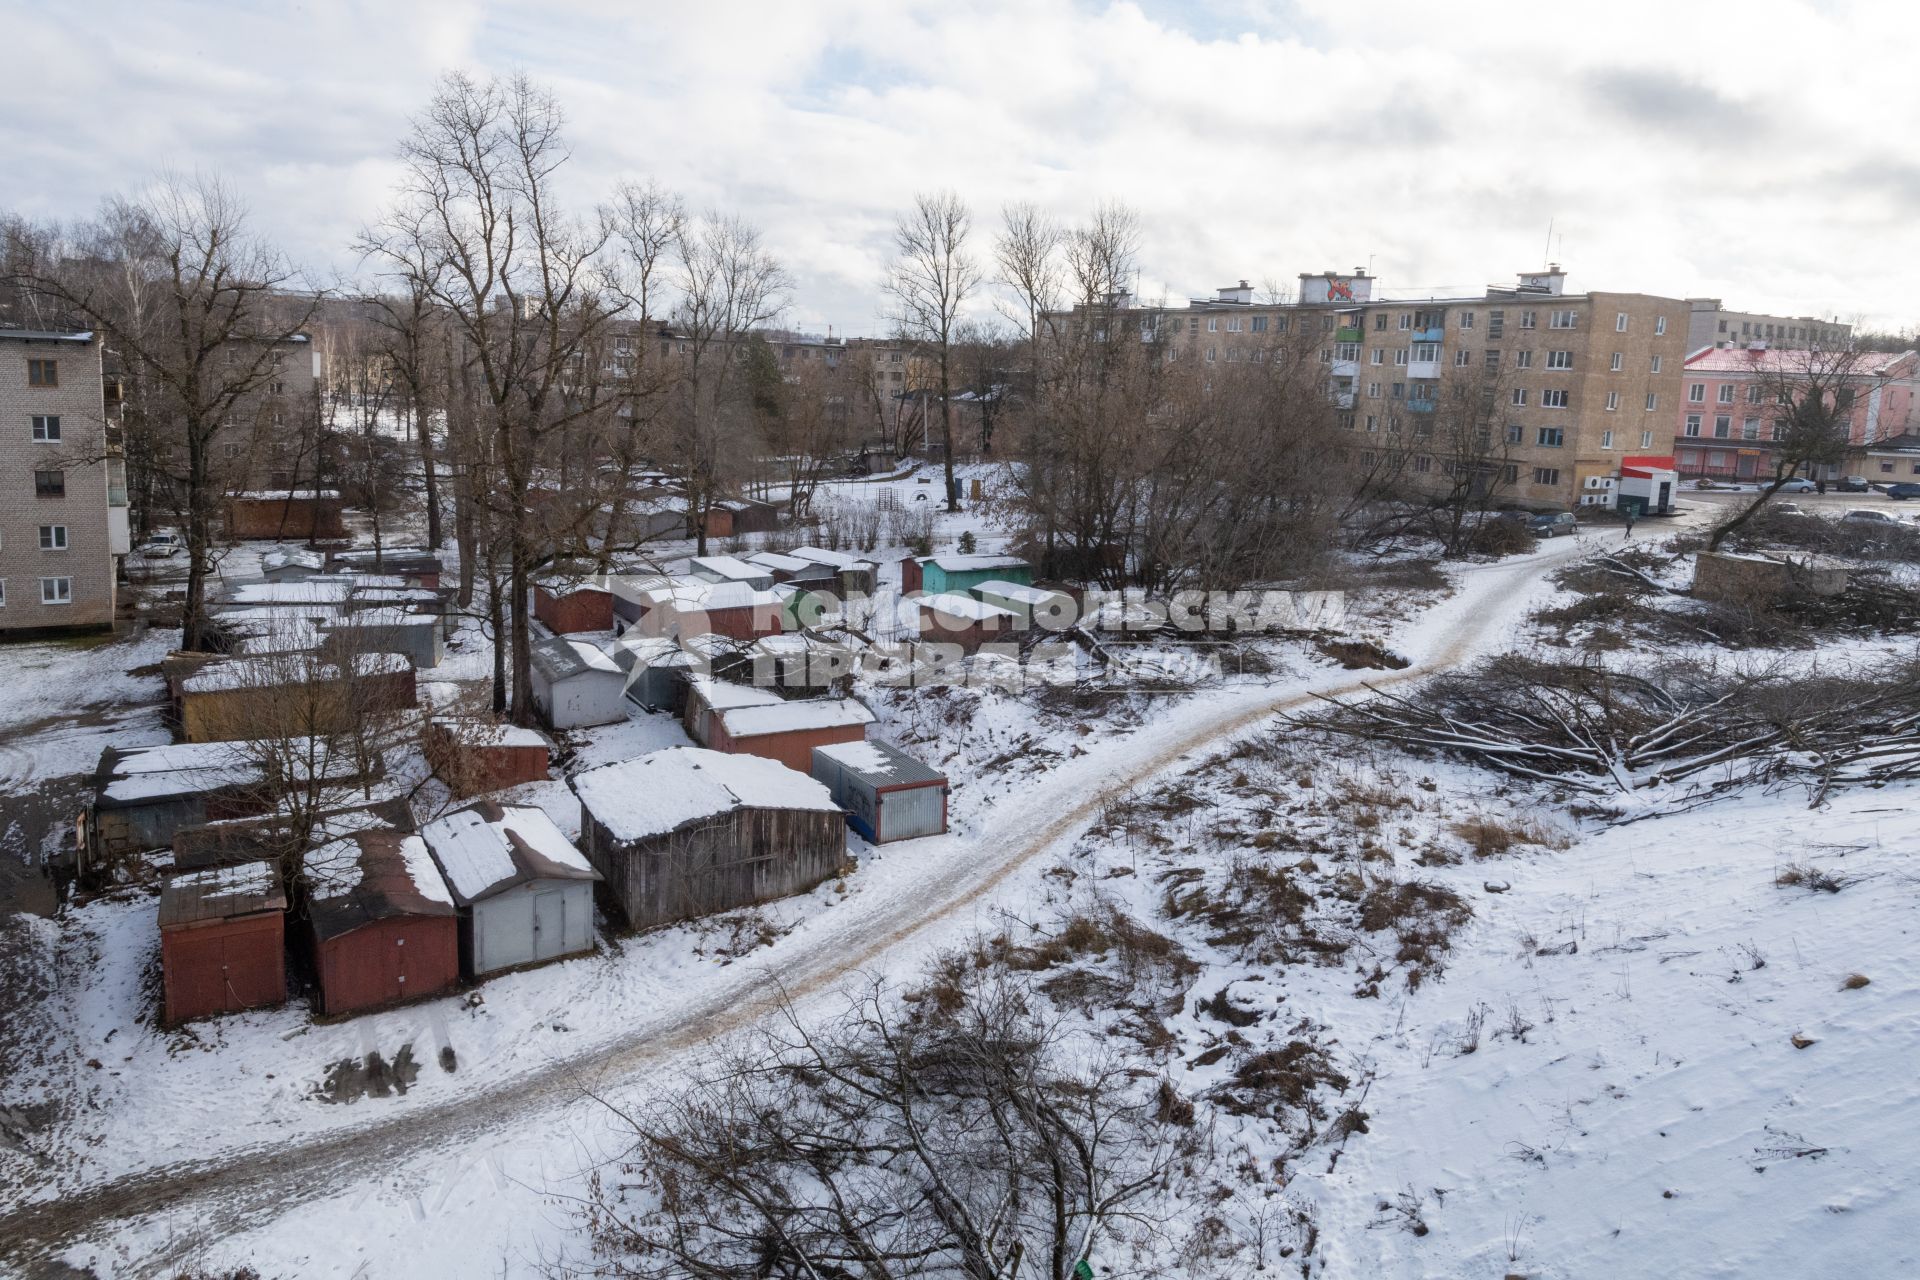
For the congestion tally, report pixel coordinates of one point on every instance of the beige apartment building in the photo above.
(1584, 380)
(63, 492)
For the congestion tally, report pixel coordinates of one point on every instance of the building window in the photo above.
(1346, 351)
(1615, 366)
(1466, 319)
(1554, 398)
(1406, 320)
(1549, 476)
(1559, 359)
(1560, 320)
(1462, 358)
(1373, 422)
(1693, 424)
(1399, 390)
(1421, 462)
(1656, 364)
(3, 593)
(1606, 439)
(1210, 353)
(1613, 401)
(56, 591)
(1496, 323)
(46, 428)
(1750, 429)
(1696, 393)
(1756, 393)
(1233, 324)
(1526, 320)
(50, 484)
(1213, 324)
(1653, 401)
(1726, 393)
(53, 537)
(1523, 359)
(43, 373)
(1646, 439)
(1379, 355)
(1886, 468)
(1659, 326)
(1515, 433)
(1373, 391)
(1510, 474)
(1259, 324)
(1722, 427)
(1519, 395)
(1400, 355)
(1620, 322)
(1493, 359)
(1550, 437)
(1427, 351)
(1380, 322)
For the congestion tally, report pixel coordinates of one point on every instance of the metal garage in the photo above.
(525, 893)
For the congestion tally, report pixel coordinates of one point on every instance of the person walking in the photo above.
(1628, 511)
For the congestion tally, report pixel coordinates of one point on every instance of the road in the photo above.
(240, 1190)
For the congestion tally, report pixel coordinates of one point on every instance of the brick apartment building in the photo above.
(63, 509)
(1585, 380)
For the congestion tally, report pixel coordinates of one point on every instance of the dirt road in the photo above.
(240, 1190)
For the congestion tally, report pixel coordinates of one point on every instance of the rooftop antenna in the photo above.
(1548, 248)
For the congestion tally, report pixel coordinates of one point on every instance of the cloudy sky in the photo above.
(1761, 151)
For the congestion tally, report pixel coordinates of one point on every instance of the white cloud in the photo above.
(1753, 153)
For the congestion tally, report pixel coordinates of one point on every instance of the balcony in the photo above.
(119, 538)
(1344, 399)
(1346, 368)
(1422, 404)
(1428, 335)
(1423, 370)
(1348, 335)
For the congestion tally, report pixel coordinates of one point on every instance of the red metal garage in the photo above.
(381, 920)
(222, 941)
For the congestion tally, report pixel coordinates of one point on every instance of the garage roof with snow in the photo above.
(486, 848)
(662, 792)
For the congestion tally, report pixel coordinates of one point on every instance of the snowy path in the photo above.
(174, 1210)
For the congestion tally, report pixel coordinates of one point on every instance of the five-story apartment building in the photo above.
(63, 499)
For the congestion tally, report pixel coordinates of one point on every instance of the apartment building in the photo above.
(1585, 381)
(1711, 324)
(63, 512)
(272, 442)
(1726, 427)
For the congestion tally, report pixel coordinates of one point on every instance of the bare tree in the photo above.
(1816, 397)
(1028, 254)
(728, 284)
(959, 1136)
(189, 295)
(517, 280)
(930, 281)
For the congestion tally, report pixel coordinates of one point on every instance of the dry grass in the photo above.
(1488, 835)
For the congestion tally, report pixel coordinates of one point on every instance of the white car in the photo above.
(161, 544)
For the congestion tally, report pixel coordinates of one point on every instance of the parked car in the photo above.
(1787, 509)
(1870, 517)
(1903, 490)
(1551, 524)
(160, 544)
(1853, 484)
(1799, 484)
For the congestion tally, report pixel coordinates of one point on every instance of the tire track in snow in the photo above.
(244, 1188)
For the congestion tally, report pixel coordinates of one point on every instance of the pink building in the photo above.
(1727, 429)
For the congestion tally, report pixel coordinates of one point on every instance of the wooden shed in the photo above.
(857, 577)
(417, 566)
(142, 796)
(888, 795)
(576, 684)
(732, 516)
(686, 832)
(229, 841)
(1033, 608)
(276, 514)
(566, 608)
(788, 731)
(681, 607)
(222, 941)
(936, 574)
(473, 756)
(380, 920)
(730, 569)
(707, 697)
(265, 696)
(524, 892)
(960, 620)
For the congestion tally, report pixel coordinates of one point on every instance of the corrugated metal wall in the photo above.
(387, 962)
(224, 967)
(536, 921)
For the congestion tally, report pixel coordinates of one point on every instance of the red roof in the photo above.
(1867, 364)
